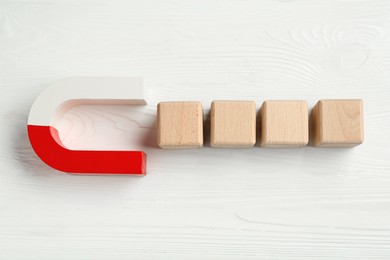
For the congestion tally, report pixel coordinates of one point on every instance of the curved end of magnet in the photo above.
(44, 136)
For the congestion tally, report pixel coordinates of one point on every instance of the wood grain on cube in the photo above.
(284, 124)
(338, 123)
(180, 125)
(233, 124)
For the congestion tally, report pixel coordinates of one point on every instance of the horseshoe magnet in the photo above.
(60, 96)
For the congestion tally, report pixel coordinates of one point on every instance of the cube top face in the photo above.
(180, 125)
(284, 123)
(338, 123)
(233, 124)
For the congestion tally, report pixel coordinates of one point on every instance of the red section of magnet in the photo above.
(48, 146)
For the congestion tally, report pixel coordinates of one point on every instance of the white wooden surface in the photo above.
(198, 204)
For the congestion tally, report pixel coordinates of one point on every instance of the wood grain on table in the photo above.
(309, 203)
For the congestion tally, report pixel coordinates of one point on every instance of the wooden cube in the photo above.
(233, 124)
(284, 124)
(180, 125)
(338, 123)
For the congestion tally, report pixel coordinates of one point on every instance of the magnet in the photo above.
(59, 97)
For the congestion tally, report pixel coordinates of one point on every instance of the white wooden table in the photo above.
(258, 203)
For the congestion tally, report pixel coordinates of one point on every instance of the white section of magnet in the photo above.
(61, 95)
